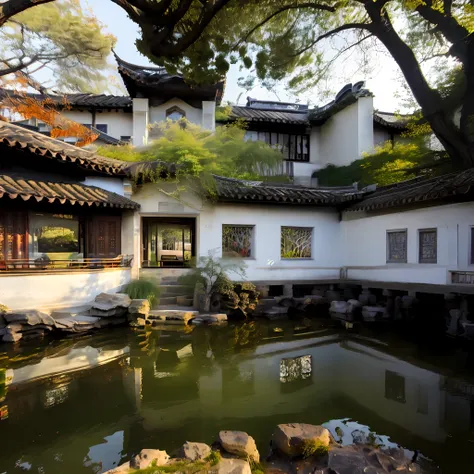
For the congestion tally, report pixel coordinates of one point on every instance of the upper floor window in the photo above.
(102, 127)
(175, 113)
(296, 242)
(293, 147)
(428, 246)
(237, 241)
(397, 246)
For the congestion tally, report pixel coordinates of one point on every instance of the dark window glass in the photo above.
(394, 387)
(396, 246)
(125, 138)
(428, 246)
(293, 147)
(102, 127)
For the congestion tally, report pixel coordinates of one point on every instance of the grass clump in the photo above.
(214, 458)
(183, 466)
(312, 447)
(256, 467)
(143, 289)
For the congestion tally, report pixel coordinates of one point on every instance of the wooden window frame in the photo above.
(173, 109)
(393, 231)
(420, 258)
(294, 143)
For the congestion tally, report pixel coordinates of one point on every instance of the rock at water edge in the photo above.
(240, 443)
(231, 466)
(291, 438)
(148, 456)
(31, 317)
(120, 469)
(194, 451)
(347, 461)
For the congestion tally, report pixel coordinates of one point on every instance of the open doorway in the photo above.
(168, 242)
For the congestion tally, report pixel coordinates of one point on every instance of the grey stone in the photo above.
(210, 319)
(31, 317)
(290, 438)
(194, 451)
(231, 466)
(106, 305)
(347, 461)
(14, 337)
(370, 313)
(148, 456)
(139, 308)
(240, 443)
(339, 307)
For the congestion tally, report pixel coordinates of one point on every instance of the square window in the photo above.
(237, 241)
(428, 246)
(397, 246)
(296, 242)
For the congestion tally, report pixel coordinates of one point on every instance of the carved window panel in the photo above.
(397, 246)
(296, 242)
(237, 241)
(428, 246)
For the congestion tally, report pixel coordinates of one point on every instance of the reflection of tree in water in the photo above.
(231, 339)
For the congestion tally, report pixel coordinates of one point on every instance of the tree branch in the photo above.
(339, 29)
(13, 7)
(285, 8)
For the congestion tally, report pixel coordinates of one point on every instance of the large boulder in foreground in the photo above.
(194, 451)
(106, 305)
(31, 318)
(240, 443)
(147, 457)
(291, 438)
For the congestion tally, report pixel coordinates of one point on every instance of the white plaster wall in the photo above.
(158, 113)
(339, 138)
(118, 122)
(326, 251)
(380, 136)
(302, 172)
(365, 124)
(365, 244)
(114, 185)
(315, 145)
(43, 291)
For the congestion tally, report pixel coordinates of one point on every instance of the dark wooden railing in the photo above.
(28, 265)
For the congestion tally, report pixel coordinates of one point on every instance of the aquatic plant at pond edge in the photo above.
(183, 466)
(312, 447)
(143, 289)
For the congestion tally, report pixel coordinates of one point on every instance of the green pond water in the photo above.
(86, 405)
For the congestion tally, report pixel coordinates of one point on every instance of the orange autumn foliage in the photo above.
(46, 110)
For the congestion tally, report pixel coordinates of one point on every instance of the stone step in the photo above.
(185, 300)
(167, 300)
(170, 316)
(176, 290)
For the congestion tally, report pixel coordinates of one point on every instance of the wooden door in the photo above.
(104, 236)
(13, 235)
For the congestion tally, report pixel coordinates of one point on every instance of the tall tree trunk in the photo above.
(458, 144)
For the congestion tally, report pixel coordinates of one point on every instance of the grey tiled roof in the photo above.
(391, 120)
(16, 186)
(251, 114)
(100, 101)
(234, 190)
(159, 77)
(21, 138)
(450, 186)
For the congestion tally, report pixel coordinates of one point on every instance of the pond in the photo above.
(86, 405)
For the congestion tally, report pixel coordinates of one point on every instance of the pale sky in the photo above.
(382, 79)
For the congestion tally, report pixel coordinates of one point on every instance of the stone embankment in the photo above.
(107, 310)
(295, 448)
